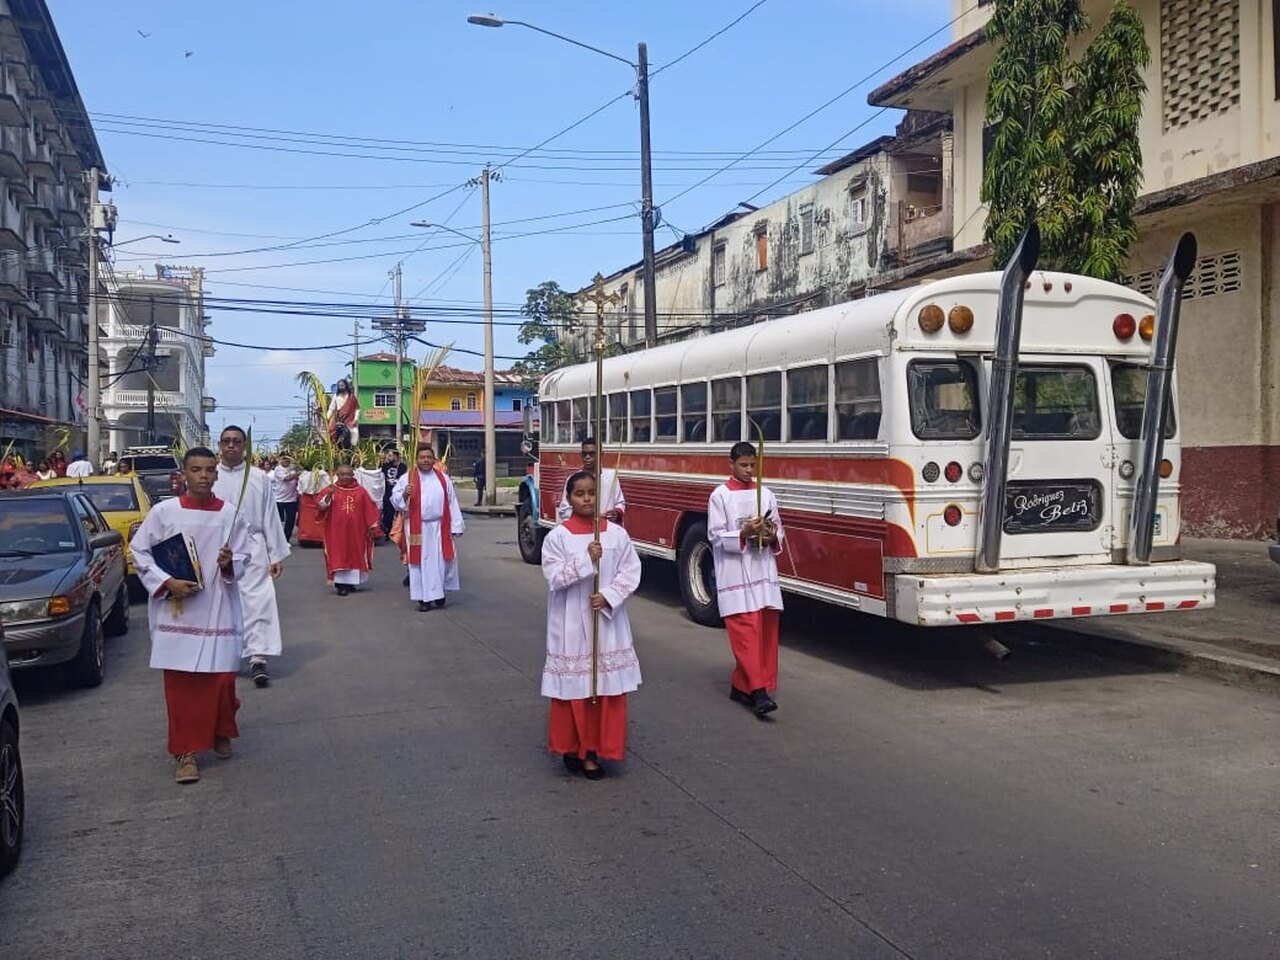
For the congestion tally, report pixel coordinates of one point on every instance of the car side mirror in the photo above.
(108, 538)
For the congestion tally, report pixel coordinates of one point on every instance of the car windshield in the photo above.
(112, 497)
(35, 526)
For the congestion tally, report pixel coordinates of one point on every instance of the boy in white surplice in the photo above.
(746, 536)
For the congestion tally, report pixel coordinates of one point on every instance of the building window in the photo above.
(384, 398)
(718, 259)
(1199, 60)
(806, 228)
(762, 247)
(516, 405)
(858, 206)
(471, 401)
(455, 404)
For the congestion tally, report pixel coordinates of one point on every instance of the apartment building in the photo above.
(154, 344)
(47, 149)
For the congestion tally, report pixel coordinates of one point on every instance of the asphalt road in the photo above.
(391, 797)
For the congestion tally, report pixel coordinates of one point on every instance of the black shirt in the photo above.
(392, 472)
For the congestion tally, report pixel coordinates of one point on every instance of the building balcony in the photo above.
(918, 230)
(45, 317)
(209, 349)
(43, 269)
(11, 165)
(41, 166)
(208, 404)
(137, 332)
(13, 280)
(163, 399)
(11, 112)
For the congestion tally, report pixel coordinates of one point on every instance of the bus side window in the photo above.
(807, 403)
(764, 405)
(693, 412)
(665, 413)
(726, 410)
(564, 425)
(641, 425)
(617, 418)
(858, 399)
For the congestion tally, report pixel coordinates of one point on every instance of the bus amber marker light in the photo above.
(1124, 326)
(960, 319)
(1147, 328)
(1166, 469)
(930, 318)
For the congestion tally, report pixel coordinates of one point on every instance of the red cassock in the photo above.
(346, 528)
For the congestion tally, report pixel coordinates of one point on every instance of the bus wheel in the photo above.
(698, 576)
(528, 536)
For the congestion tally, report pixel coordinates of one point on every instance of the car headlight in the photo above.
(19, 610)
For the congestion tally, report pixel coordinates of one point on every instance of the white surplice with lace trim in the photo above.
(566, 675)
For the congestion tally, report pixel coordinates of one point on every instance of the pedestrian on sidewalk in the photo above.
(433, 521)
(582, 729)
(477, 471)
(196, 635)
(746, 536)
(268, 549)
(350, 520)
(284, 487)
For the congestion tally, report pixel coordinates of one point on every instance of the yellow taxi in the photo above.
(122, 501)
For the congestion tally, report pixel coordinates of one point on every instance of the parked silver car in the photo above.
(12, 809)
(62, 582)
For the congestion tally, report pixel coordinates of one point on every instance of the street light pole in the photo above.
(647, 211)
(490, 417)
(94, 388)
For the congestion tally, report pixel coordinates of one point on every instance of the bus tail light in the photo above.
(1124, 326)
(1147, 328)
(930, 318)
(1166, 469)
(930, 472)
(960, 319)
(976, 472)
(953, 472)
(951, 515)
(1126, 470)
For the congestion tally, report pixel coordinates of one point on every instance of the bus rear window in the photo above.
(1129, 384)
(1059, 403)
(944, 400)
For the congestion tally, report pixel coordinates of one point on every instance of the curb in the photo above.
(499, 510)
(1182, 656)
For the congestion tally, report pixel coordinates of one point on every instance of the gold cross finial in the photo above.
(600, 298)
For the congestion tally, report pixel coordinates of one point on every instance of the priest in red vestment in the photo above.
(352, 521)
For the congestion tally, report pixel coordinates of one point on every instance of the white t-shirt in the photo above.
(284, 484)
(80, 468)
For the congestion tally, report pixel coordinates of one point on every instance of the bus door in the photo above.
(1059, 501)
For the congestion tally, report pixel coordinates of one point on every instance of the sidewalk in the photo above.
(505, 507)
(1237, 639)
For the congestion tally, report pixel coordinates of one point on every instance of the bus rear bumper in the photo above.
(1052, 593)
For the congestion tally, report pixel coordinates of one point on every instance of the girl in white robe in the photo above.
(583, 730)
(745, 541)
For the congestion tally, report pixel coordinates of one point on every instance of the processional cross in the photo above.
(599, 298)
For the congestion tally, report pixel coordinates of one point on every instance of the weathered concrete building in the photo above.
(46, 146)
(883, 205)
(1209, 142)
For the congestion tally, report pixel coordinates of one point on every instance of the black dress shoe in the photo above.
(440, 603)
(405, 581)
(737, 696)
(598, 772)
(762, 703)
(342, 588)
(573, 763)
(423, 606)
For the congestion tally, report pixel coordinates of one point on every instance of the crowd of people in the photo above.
(18, 473)
(237, 520)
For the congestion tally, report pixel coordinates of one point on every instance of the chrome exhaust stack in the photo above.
(1155, 406)
(1004, 369)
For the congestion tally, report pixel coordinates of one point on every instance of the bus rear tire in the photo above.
(529, 535)
(697, 576)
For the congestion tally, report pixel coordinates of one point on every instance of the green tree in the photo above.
(297, 436)
(1065, 150)
(549, 314)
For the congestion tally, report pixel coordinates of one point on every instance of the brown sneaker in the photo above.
(187, 771)
(222, 747)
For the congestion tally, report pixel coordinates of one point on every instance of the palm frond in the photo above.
(314, 387)
(422, 377)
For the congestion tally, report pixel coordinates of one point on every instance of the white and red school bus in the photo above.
(875, 419)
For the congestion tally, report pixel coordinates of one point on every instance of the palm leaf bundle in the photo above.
(314, 387)
(422, 377)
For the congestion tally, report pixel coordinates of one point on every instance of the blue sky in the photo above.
(453, 96)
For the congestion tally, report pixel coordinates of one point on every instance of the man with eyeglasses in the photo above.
(268, 548)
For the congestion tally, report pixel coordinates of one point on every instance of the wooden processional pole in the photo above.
(599, 298)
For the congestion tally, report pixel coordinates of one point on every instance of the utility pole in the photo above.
(94, 388)
(150, 366)
(399, 335)
(646, 200)
(490, 416)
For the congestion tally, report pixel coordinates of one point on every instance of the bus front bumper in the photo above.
(1051, 593)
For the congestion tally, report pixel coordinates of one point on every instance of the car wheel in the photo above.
(87, 668)
(117, 624)
(529, 535)
(698, 576)
(12, 809)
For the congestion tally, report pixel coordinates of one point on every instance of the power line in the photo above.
(696, 47)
